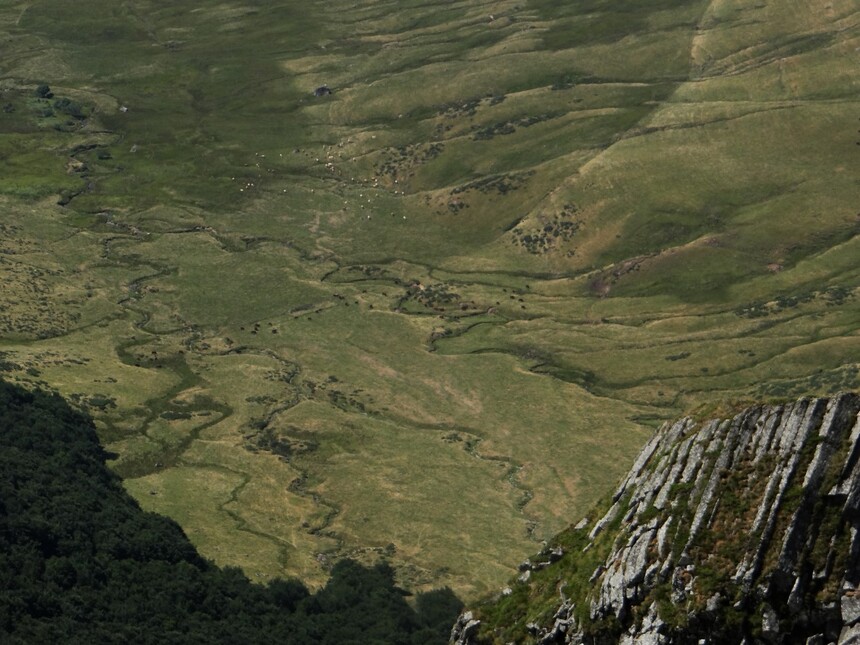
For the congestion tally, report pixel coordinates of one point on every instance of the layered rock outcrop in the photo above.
(737, 530)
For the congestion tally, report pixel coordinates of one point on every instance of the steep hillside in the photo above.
(429, 315)
(723, 530)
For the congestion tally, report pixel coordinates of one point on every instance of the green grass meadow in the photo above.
(432, 316)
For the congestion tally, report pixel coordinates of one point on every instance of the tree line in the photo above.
(81, 562)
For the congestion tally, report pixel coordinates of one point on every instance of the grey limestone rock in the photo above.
(769, 621)
(850, 635)
(563, 623)
(757, 516)
(465, 629)
(850, 609)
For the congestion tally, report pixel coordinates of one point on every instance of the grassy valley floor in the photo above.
(432, 316)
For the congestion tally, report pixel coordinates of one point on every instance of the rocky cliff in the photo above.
(736, 530)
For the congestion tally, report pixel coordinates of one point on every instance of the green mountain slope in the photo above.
(434, 314)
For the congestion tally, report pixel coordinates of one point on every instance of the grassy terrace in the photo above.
(432, 316)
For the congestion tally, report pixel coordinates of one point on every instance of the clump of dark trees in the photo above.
(80, 562)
